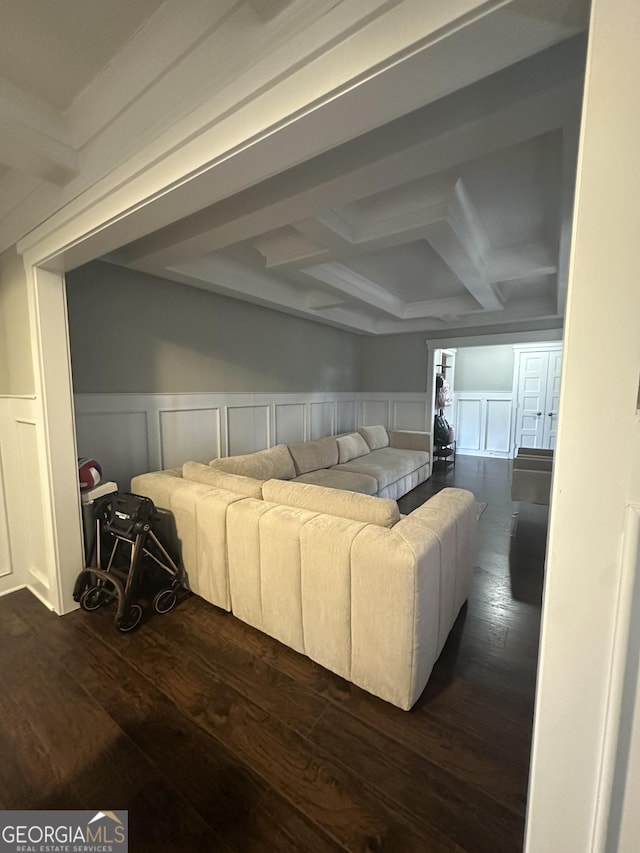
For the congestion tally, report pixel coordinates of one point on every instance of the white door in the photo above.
(552, 400)
(537, 398)
(530, 405)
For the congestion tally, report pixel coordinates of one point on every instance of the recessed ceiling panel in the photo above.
(412, 272)
(518, 191)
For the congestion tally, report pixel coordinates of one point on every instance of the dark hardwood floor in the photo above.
(216, 737)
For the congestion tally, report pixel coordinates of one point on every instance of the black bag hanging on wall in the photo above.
(442, 432)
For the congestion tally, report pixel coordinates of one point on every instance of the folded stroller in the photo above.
(128, 559)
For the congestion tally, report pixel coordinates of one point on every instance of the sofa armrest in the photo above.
(407, 440)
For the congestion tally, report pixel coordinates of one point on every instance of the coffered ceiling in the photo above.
(455, 215)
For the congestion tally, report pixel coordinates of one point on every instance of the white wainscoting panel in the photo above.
(23, 547)
(468, 424)
(497, 425)
(248, 429)
(118, 441)
(322, 419)
(346, 415)
(132, 433)
(289, 423)
(374, 412)
(483, 423)
(34, 544)
(410, 414)
(189, 434)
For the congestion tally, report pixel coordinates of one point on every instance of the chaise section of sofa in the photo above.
(331, 570)
(344, 580)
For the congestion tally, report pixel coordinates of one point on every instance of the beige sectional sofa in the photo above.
(336, 574)
(373, 461)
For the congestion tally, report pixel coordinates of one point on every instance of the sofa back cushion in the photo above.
(351, 447)
(343, 504)
(314, 455)
(222, 480)
(263, 465)
(376, 437)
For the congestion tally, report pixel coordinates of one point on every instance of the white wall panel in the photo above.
(468, 427)
(118, 441)
(34, 544)
(131, 433)
(483, 423)
(374, 412)
(247, 429)
(410, 414)
(289, 423)
(497, 425)
(346, 415)
(321, 419)
(22, 537)
(189, 434)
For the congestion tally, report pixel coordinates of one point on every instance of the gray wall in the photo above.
(394, 363)
(16, 365)
(484, 368)
(132, 332)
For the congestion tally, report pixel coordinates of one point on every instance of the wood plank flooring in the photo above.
(218, 738)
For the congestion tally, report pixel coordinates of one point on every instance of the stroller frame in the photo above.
(128, 520)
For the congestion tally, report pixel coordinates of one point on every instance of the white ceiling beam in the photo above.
(362, 168)
(524, 311)
(221, 275)
(345, 281)
(287, 247)
(140, 69)
(456, 250)
(356, 287)
(34, 137)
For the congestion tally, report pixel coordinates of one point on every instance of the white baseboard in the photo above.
(11, 589)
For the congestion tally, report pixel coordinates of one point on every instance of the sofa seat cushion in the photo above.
(333, 479)
(357, 507)
(262, 465)
(386, 465)
(211, 476)
(313, 455)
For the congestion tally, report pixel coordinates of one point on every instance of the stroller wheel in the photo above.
(128, 623)
(164, 601)
(93, 598)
